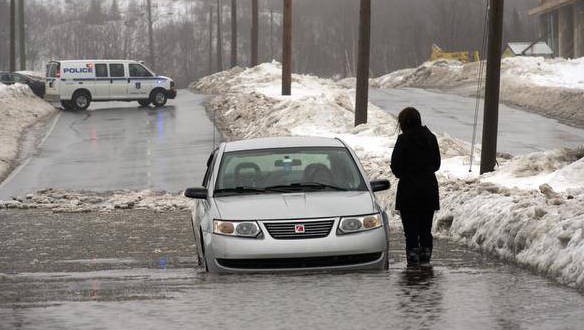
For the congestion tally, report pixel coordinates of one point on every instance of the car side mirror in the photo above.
(380, 185)
(196, 193)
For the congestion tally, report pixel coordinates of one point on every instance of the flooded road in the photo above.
(68, 271)
(520, 132)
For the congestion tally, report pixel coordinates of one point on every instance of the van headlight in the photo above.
(237, 228)
(349, 225)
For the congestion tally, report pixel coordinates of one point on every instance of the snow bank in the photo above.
(19, 108)
(551, 87)
(537, 223)
(59, 200)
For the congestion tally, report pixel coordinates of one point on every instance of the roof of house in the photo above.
(539, 49)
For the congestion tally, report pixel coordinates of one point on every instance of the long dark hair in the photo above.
(409, 118)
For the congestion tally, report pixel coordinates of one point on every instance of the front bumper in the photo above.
(364, 250)
(171, 94)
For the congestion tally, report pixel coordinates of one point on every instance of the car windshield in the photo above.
(288, 170)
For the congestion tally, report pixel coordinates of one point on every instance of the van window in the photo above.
(101, 70)
(137, 70)
(117, 70)
(53, 69)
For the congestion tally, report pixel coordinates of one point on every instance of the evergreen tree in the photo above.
(114, 12)
(95, 13)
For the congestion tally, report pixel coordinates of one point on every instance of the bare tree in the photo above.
(254, 32)
(363, 63)
(287, 49)
(219, 37)
(233, 33)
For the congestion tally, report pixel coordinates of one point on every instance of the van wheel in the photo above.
(67, 105)
(81, 100)
(144, 103)
(159, 98)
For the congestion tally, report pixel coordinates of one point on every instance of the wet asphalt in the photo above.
(520, 132)
(118, 145)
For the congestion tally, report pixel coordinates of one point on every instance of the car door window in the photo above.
(101, 70)
(117, 70)
(137, 70)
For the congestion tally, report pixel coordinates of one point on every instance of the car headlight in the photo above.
(350, 225)
(236, 228)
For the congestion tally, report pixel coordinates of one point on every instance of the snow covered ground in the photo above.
(531, 210)
(552, 87)
(19, 109)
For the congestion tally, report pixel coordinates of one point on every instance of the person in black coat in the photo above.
(415, 159)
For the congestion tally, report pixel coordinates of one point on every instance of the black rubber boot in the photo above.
(425, 255)
(412, 257)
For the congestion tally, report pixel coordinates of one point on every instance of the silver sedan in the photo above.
(288, 204)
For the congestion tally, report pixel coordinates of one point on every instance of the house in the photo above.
(562, 26)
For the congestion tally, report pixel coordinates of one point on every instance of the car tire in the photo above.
(67, 105)
(144, 103)
(81, 100)
(158, 98)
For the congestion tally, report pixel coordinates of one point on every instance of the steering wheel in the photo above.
(247, 180)
(318, 173)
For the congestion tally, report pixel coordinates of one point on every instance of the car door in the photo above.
(141, 81)
(118, 81)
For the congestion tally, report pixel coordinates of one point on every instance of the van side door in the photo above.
(118, 81)
(102, 83)
(141, 81)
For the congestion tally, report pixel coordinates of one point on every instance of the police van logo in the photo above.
(87, 69)
(138, 85)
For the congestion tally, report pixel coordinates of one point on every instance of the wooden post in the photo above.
(12, 35)
(492, 87)
(219, 38)
(150, 35)
(362, 97)
(287, 49)
(211, 39)
(254, 32)
(21, 35)
(233, 33)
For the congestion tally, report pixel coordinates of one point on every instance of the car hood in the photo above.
(295, 206)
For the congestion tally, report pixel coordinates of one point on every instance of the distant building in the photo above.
(528, 49)
(562, 26)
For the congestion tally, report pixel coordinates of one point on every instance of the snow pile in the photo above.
(19, 108)
(59, 200)
(540, 224)
(552, 87)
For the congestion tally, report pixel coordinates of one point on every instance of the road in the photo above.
(117, 145)
(520, 132)
(134, 269)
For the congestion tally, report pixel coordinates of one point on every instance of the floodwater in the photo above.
(520, 132)
(150, 281)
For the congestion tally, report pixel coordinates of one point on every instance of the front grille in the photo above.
(312, 229)
(289, 263)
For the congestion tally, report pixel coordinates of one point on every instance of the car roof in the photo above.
(282, 142)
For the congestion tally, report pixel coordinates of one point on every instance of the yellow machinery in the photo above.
(439, 54)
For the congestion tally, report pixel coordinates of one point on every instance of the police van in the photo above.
(75, 84)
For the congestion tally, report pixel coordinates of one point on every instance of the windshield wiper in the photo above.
(240, 190)
(301, 185)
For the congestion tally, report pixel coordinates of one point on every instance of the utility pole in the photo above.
(271, 34)
(150, 36)
(362, 96)
(492, 87)
(12, 35)
(210, 39)
(287, 49)
(21, 36)
(254, 32)
(219, 38)
(233, 33)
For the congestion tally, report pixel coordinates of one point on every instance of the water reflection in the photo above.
(421, 296)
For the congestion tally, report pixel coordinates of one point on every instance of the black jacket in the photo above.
(415, 158)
